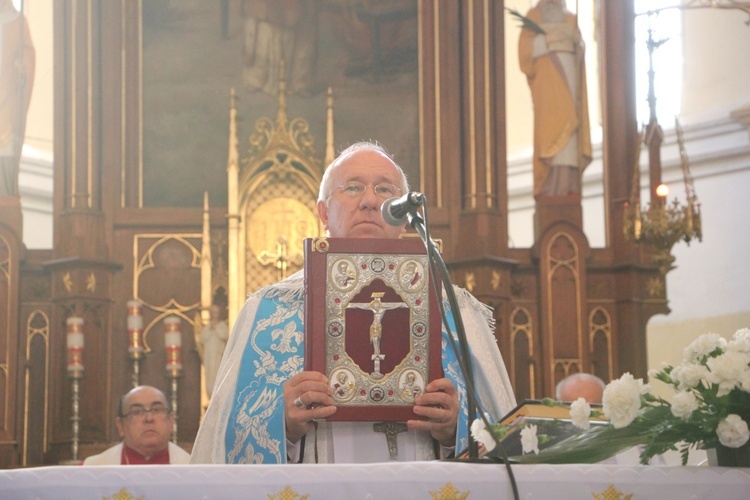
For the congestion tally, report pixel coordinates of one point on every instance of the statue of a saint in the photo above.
(551, 54)
(17, 58)
(211, 340)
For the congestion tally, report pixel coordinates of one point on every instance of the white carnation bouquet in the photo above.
(710, 407)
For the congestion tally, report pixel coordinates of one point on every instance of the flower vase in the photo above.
(733, 457)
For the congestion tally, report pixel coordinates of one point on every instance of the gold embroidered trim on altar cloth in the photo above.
(123, 494)
(612, 493)
(288, 494)
(449, 492)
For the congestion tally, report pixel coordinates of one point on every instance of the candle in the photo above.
(135, 328)
(75, 345)
(135, 319)
(173, 344)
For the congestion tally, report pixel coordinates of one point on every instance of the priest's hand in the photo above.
(439, 404)
(307, 396)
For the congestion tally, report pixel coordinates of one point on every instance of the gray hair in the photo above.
(325, 184)
(588, 377)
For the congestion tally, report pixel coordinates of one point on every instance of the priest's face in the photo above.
(349, 212)
(145, 424)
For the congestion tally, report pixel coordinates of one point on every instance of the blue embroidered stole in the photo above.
(274, 353)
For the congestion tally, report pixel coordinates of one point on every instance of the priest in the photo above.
(145, 422)
(267, 409)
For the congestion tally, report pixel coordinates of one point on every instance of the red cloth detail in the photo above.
(132, 457)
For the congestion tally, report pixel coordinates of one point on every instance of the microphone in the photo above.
(395, 210)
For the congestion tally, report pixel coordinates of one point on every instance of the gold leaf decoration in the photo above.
(612, 493)
(449, 492)
(123, 494)
(287, 494)
(495, 280)
(655, 287)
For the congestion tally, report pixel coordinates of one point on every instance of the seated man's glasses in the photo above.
(356, 189)
(139, 411)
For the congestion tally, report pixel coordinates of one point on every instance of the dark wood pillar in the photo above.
(82, 269)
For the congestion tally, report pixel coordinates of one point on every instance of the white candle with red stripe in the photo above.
(75, 345)
(173, 343)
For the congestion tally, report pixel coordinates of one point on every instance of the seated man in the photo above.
(144, 420)
(265, 409)
(580, 385)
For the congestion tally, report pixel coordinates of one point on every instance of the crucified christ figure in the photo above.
(378, 309)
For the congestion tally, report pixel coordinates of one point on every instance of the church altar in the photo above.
(442, 480)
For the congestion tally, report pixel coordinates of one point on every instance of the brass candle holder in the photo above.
(136, 351)
(173, 348)
(75, 373)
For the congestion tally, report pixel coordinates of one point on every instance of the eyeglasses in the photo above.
(356, 189)
(138, 411)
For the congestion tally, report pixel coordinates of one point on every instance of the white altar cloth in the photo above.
(373, 481)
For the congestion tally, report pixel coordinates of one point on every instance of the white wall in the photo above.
(35, 177)
(709, 289)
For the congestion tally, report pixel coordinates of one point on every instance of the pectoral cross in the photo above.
(391, 430)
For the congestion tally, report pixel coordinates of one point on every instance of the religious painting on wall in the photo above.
(372, 324)
(194, 52)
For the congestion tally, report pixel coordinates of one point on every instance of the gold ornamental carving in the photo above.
(495, 280)
(655, 287)
(278, 219)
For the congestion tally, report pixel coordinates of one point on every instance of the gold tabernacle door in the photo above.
(372, 324)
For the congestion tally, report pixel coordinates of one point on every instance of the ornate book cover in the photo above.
(372, 324)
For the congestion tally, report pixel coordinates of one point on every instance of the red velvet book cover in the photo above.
(372, 324)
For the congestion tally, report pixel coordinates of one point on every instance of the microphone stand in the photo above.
(462, 352)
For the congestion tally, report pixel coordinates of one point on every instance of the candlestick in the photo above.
(75, 373)
(173, 347)
(135, 338)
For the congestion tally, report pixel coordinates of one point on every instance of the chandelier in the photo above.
(662, 224)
